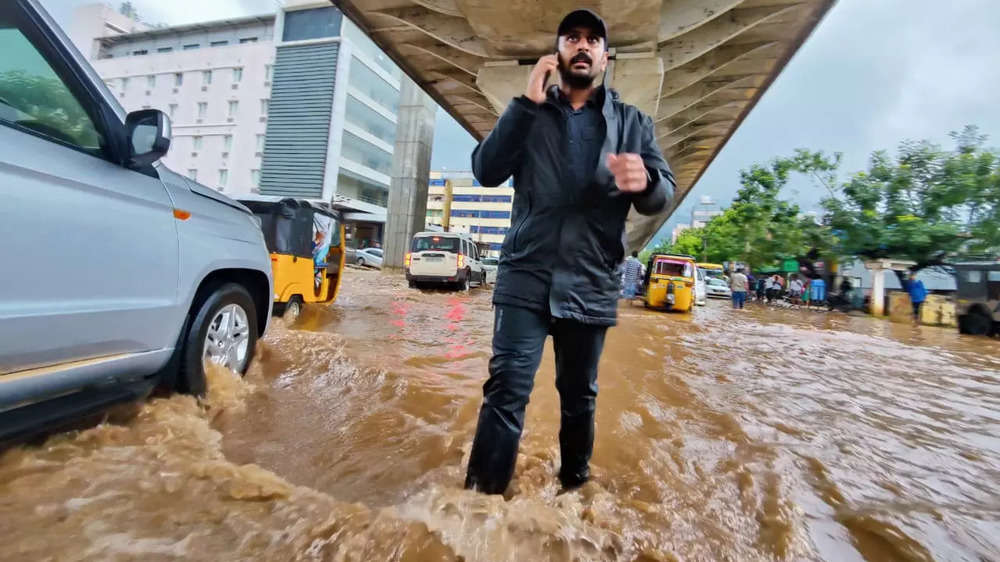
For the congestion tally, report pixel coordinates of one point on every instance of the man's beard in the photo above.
(576, 81)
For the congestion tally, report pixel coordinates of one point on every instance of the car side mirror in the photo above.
(149, 134)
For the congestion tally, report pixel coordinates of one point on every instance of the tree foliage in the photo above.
(761, 228)
(925, 204)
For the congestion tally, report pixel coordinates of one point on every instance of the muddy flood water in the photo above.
(763, 435)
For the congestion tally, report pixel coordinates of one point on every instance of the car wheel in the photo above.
(293, 309)
(975, 324)
(412, 284)
(463, 285)
(361, 262)
(224, 331)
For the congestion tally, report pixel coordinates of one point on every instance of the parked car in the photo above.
(700, 291)
(717, 288)
(371, 257)
(119, 275)
(443, 258)
(491, 265)
(978, 302)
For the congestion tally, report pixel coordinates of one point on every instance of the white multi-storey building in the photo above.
(212, 79)
(300, 103)
(483, 212)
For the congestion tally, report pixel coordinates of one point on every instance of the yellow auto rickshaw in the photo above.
(669, 283)
(306, 242)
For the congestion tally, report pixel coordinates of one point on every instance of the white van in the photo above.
(444, 258)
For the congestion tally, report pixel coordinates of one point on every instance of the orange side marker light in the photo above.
(181, 214)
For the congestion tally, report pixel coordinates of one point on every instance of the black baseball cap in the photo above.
(584, 18)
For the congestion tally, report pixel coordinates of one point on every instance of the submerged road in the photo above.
(770, 434)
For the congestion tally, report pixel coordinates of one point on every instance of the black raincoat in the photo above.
(566, 242)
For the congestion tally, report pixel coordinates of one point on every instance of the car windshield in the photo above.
(716, 281)
(442, 243)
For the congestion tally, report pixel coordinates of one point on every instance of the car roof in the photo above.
(442, 234)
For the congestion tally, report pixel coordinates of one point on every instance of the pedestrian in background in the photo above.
(581, 161)
(918, 294)
(633, 273)
(739, 284)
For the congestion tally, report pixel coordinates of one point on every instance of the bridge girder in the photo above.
(696, 67)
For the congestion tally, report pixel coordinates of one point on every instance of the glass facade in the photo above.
(358, 150)
(372, 85)
(372, 51)
(369, 120)
(316, 23)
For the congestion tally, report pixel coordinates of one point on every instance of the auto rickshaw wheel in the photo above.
(293, 309)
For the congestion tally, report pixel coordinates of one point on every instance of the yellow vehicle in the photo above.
(306, 242)
(712, 270)
(669, 283)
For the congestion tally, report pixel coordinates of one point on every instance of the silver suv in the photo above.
(117, 274)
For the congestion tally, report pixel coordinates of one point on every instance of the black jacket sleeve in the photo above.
(499, 155)
(660, 191)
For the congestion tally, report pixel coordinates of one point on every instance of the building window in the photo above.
(223, 178)
(238, 74)
(151, 81)
(191, 46)
(165, 50)
(248, 40)
(193, 174)
(234, 107)
(227, 143)
(255, 178)
(173, 110)
(206, 77)
(372, 85)
(196, 142)
(265, 105)
(202, 109)
(260, 143)
(311, 24)
(178, 79)
(140, 52)
(219, 43)
(268, 72)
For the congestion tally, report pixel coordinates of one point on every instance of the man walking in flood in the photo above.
(581, 159)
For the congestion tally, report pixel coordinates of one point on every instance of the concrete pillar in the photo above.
(411, 166)
(878, 287)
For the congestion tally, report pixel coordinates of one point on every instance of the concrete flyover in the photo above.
(697, 67)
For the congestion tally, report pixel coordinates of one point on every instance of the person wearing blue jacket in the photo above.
(918, 294)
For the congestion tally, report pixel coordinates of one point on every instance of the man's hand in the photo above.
(539, 75)
(629, 171)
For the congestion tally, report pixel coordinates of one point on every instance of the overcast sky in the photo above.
(872, 73)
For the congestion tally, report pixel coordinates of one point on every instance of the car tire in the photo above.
(463, 284)
(293, 309)
(412, 284)
(975, 324)
(191, 378)
(360, 262)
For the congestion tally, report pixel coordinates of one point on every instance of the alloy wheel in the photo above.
(228, 338)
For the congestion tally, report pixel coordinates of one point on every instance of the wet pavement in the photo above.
(767, 434)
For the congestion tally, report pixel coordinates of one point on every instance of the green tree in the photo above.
(925, 204)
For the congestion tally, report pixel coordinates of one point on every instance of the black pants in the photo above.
(518, 339)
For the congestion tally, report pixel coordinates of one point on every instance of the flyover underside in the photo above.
(696, 67)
